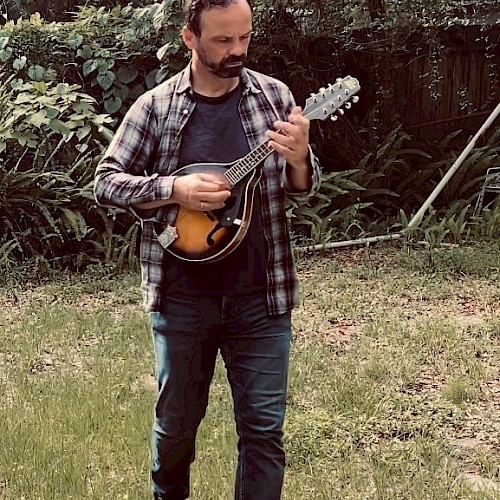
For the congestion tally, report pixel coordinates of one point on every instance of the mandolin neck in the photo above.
(319, 106)
(243, 166)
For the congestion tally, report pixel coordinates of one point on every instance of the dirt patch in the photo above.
(479, 483)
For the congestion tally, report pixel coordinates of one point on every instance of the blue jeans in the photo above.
(255, 347)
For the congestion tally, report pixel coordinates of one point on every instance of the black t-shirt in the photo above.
(215, 134)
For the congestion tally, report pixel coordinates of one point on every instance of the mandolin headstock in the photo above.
(331, 99)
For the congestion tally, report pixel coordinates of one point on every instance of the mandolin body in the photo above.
(210, 236)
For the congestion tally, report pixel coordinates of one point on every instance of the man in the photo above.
(215, 111)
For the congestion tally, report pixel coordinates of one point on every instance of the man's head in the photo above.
(194, 8)
(218, 33)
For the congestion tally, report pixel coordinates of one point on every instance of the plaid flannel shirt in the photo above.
(139, 166)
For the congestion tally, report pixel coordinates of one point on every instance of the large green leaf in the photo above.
(89, 66)
(112, 104)
(5, 54)
(38, 119)
(59, 126)
(106, 79)
(20, 63)
(127, 74)
(75, 40)
(36, 72)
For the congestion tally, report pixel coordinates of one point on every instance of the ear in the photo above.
(188, 37)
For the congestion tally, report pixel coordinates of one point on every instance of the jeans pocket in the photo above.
(186, 315)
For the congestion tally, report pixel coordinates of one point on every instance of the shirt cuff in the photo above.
(301, 196)
(161, 189)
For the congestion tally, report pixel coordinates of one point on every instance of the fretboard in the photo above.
(246, 164)
(318, 106)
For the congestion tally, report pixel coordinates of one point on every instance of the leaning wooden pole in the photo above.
(456, 165)
(417, 218)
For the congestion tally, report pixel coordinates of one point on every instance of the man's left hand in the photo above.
(291, 138)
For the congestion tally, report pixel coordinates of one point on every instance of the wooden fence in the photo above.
(451, 84)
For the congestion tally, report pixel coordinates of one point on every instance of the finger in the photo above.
(212, 201)
(301, 124)
(290, 140)
(295, 116)
(298, 120)
(214, 178)
(214, 197)
(202, 187)
(297, 110)
(281, 136)
(278, 145)
(298, 125)
(279, 148)
(282, 127)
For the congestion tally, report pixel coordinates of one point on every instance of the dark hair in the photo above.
(194, 8)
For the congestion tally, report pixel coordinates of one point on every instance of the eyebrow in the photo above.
(229, 36)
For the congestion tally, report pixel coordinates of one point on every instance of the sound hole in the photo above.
(210, 236)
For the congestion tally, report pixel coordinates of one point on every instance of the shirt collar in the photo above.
(184, 84)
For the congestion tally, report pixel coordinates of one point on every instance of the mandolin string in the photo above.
(243, 166)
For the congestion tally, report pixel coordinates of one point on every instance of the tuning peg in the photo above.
(347, 105)
(341, 111)
(334, 118)
(355, 99)
(338, 80)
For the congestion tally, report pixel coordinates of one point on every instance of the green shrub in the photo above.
(66, 86)
(50, 137)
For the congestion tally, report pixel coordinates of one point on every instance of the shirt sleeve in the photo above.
(302, 196)
(124, 176)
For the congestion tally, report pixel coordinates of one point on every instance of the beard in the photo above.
(229, 67)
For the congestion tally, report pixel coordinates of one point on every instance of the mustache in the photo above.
(234, 59)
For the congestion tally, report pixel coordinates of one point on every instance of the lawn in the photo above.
(394, 386)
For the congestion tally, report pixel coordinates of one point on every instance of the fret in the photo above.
(246, 164)
(319, 106)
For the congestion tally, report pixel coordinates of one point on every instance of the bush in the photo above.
(51, 134)
(66, 85)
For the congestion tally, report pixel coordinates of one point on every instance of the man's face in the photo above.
(223, 43)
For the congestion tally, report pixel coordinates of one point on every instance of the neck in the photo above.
(204, 82)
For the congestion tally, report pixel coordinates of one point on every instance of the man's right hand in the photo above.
(200, 191)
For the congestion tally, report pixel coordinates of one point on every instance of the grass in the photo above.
(394, 386)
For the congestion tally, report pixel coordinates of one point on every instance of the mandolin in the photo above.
(210, 236)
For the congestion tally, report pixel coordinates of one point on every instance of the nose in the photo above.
(238, 48)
